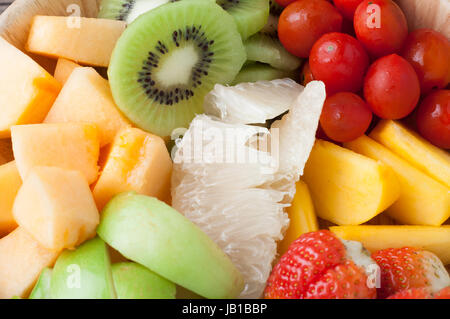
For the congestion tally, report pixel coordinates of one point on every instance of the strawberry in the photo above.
(443, 294)
(405, 268)
(413, 293)
(317, 265)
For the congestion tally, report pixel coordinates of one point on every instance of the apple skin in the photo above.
(153, 234)
(133, 281)
(42, 288)
(84, 273)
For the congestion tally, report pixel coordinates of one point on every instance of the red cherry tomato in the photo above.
(381, 27)
(303, 22)
(428, 52)
(345, 117)
(347, 7)
(306, 75)
(433, 118)
(391, 87)
(340, 61)
(284, 3)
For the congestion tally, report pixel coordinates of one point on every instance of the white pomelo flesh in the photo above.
(240, 202)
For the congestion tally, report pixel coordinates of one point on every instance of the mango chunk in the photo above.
(10, 182)
(73, 146)
(83, 40)
(423, 200)
(27, 91)
(56, 207)
(86, 97)
(375, 237)
(64, 69)
(6, 152)
(22, 259)
(348, 188)
(414, 149)
(301, 215)
(138, 161)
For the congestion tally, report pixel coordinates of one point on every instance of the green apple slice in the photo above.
(153, 234)
(133, 281)
(84, 273)
(42, 288)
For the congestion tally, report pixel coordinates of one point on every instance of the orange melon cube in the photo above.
(138, 161)
(56, 207)
(86, 97)
(85, 40)
(64, 69)
(10, 182)
(22, 259)
(6, 152)
(27, 91)
(73, 146)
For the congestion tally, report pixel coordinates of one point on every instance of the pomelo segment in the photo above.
(64, 69)
(86, 97)
(73, 146)
(22, 259)
(56, 207)
(138, 161)
(10, 182)
(85, 40)
(27, 91)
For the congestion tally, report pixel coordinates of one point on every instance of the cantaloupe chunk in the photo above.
(301, 215)
(73, 146)
(27, 91)
(10, 183)
(423, 200)
(86, 97)
(22, 259)
(348, 188)
(434, 239)
(138, 161)
(85, 40)
(413, 148)
(64, 69)
(6, 152)
(56, 207)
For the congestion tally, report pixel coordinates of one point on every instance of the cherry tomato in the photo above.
(340, 61)
(381, 27)
(284, 3)
(347, 7)
(428, 52)
(306, 75)
(433, 118)
(303, 22)
(391, 87)
(345, 117)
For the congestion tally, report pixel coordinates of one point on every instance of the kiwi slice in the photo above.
(166, 61)
(127, 10)
(266, 48)
(261, 72)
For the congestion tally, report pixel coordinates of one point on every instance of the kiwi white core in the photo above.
(142, 6)
(177, 67)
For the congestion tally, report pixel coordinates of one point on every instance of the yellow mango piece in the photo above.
(6, 152)
(301, 215)
(423, 200)
(138, 161)
(73, 146)
(10, 182)
(27, 91)
(414, 149)
(83, 40)
(22, 259)
(376, 237)
(86, 97)
(56, 207)
(64, 69)
(348, 188)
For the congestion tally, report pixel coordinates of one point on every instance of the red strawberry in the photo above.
(413, 293)
(316, 266)
(443, 294)
(405, 268)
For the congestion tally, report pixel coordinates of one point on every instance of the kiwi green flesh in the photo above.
(169, 58)
(261, 72)
(266, 48)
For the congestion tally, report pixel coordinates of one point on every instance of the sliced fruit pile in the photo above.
(199, 148)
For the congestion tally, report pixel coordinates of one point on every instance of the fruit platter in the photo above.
(188, 149)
